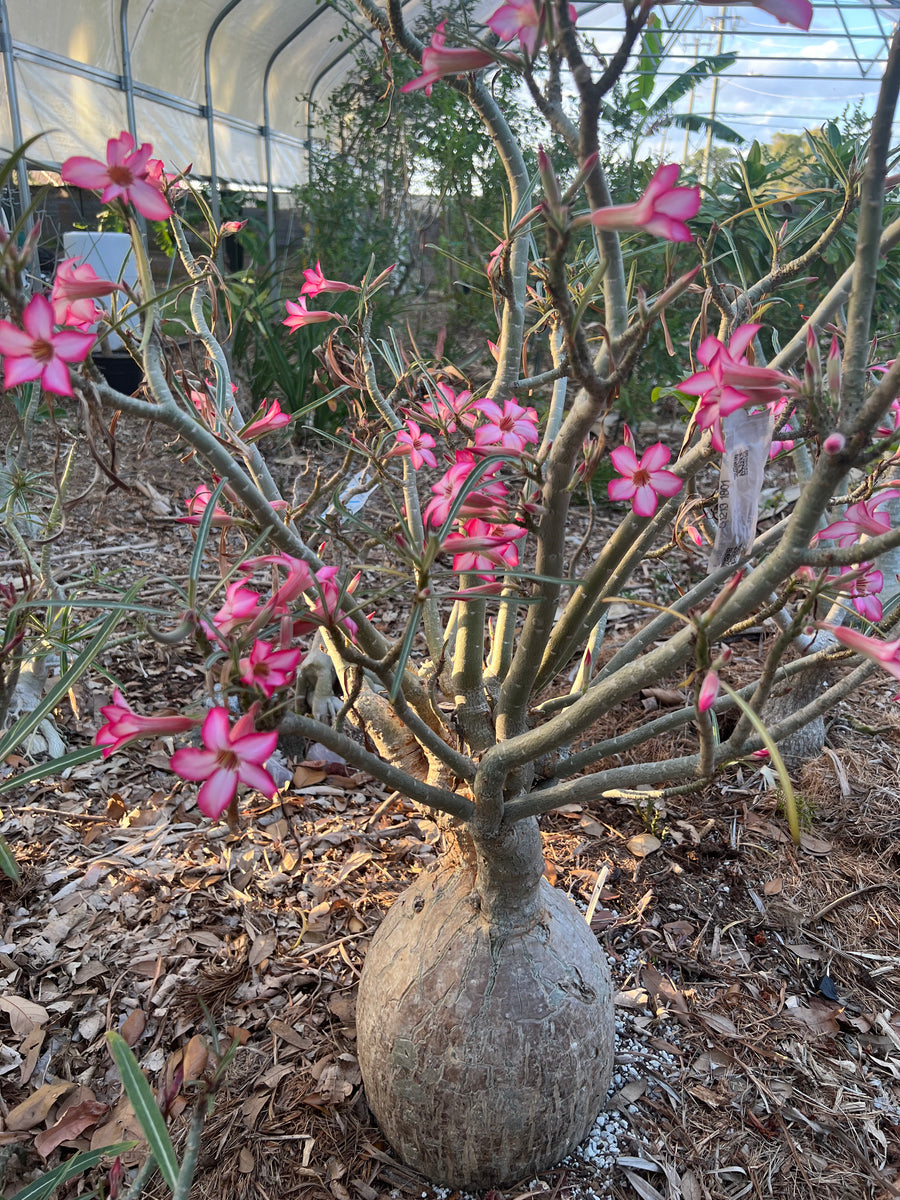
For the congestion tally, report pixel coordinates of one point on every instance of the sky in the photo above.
(784, 80)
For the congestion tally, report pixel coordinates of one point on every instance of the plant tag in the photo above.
(747, 440)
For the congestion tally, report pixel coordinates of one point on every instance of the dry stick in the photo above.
(872, 887)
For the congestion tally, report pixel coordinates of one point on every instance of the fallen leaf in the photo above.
(814, 845)
(23, 1014)
(772, 887)
(246, 1161)
(357, 859)
(35, 1107)
(550, 872)
(133, 1026)
(196, 1056)
(817, 1016)
(805, 951)
(263, 947)
(74, 1121)
(643, 844)
(716, 1023)
(306, 777)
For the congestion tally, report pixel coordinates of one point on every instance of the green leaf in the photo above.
(714, 64)
(200, 544)
(27, 724)
(7, 860)
(45, 769)
(787, 788)
(85, 1160)
(145, 1108)
(697, 123)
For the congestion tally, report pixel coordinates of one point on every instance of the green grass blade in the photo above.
(7, 860)
(86, 1160)
(26, 725)
(145, 1107)
(787, 788)
(42, 770)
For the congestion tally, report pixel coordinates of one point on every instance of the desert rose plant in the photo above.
(485, 1018)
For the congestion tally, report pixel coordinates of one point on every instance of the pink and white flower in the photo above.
(267, 668)
(482, 548)
(74, 290)
(509, 428)
(124, 176)
(197, 506)
(485, 502)
(36, 352)
(450, 408)
(661, 211)
(418, 445)
(230, 756)
(644, 481)
(862, 518)
(863, 584)
(123, 725)
(439, 60)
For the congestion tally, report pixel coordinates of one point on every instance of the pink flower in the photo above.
(779, 420)
(662, 210)
(709, 691)
(241, 605)
(299, 315)
(511, 427)
(230, 227)
(36, 352)
(485, 502)
(858, 519)
(522, 19)
(267, 668)
(124, 726)
(886, 654)
(298, 579)
(316, 282)
(450, 408)
(890, 422)
(439, 60)
(73, 293)
(788, 12)
(415, 443)
(729, 381)
(231, 756)
(123, 176)
(863, 584)
(327, 607)
(642, 482)
(270, 419)
(197, 505)
(482, 547)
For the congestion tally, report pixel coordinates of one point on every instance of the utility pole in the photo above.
(707, 152)
(687, 132)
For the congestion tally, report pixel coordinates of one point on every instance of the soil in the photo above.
(758, 983)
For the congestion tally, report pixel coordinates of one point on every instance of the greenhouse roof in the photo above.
(232, 85)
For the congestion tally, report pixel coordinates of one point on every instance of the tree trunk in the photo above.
(485, 1019)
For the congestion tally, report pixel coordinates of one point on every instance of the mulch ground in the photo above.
(768, 974)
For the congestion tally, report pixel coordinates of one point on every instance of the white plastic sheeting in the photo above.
(72, 60)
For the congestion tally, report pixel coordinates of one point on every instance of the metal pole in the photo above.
(267, 129)
(707, 153)
(15, 120)
(210, 118)
(127, 77)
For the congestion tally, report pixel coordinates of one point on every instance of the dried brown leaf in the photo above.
(24, 1015)
(74, 1121)
(36, 1107)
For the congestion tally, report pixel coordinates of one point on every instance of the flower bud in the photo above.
(833, 369)
(834, 443)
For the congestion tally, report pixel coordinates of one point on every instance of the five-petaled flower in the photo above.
(73, 293)
(299, 315)
(124, 726)
(439, 60)
(482, 547)
(729, 381)
(415, 443)
(230, 756)
(863, 584)
(36, 352)
(268, 421)
(315, 282)
(267, 668)
(644, 481)
(859, 519)
(510, 428)
(124, 176)
(661, 211)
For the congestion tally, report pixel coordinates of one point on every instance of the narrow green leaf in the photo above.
(714, 64)
(55, 765)
(405, 650)
(697, 124)
(85, 1160)
(27, 724)
(7, 860)
(145, 1107)
(200, 544)
(787, 788)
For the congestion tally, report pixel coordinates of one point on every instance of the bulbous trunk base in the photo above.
(486, 1056)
